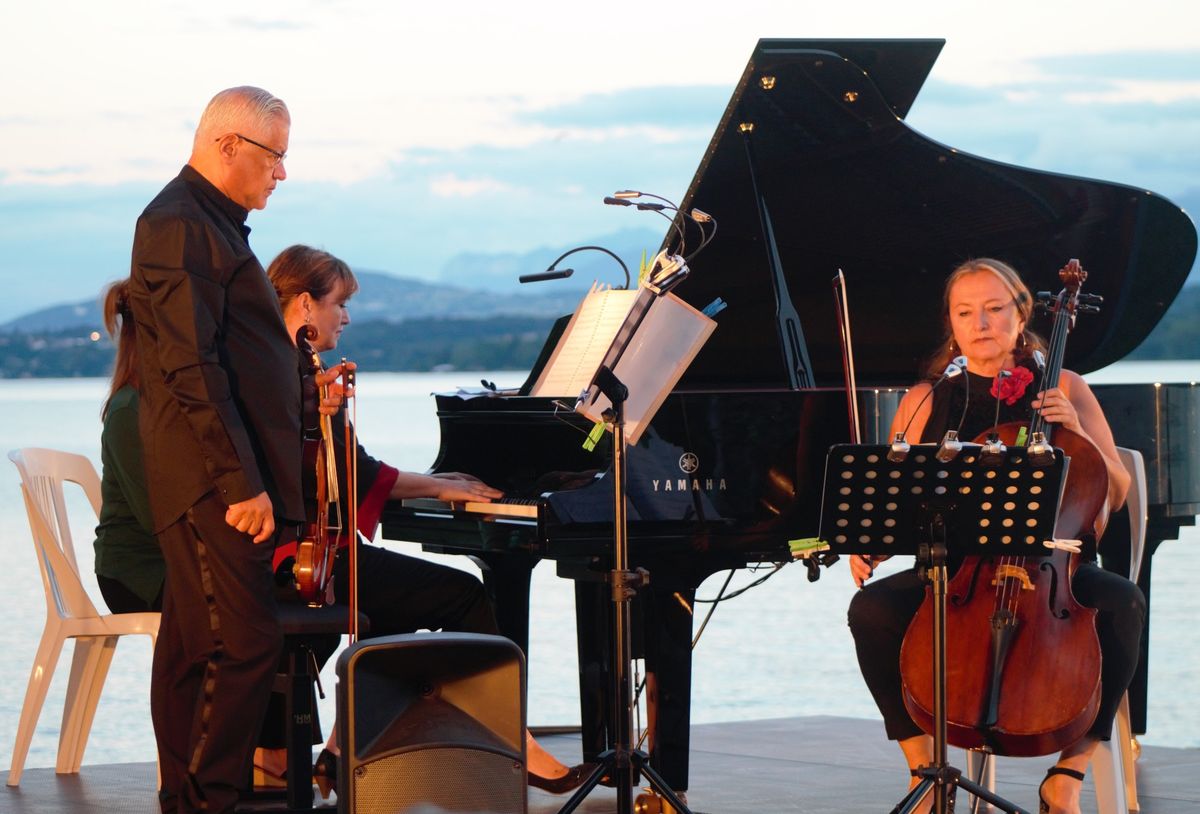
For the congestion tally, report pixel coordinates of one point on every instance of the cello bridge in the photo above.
(1016, 572)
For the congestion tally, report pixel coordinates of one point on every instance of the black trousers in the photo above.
(879, 616)
(120, 599)
(402, 594)
(399, 594)
(218, 647)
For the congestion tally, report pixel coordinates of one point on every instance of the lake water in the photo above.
(782, 649)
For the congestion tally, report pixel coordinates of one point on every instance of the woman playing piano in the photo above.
(399, 594)
(986, 309)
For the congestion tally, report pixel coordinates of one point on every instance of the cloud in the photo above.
(412, 208)
(452, 186)
(260, 24)
(1062, 125)
(661, 106)
(1151, 66)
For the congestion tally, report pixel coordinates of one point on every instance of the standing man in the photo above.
(220, 423)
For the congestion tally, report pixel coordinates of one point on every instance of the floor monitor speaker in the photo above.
(431, 722)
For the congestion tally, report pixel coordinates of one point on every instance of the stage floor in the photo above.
(817, 765)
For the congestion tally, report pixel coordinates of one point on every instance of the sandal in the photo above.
(1043, 806)
(325, 772)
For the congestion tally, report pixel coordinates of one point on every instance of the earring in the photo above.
(952, 347)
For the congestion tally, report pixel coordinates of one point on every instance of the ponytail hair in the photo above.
(118, 321)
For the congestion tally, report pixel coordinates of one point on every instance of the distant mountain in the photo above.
(380, 297)
(472, 286)
(82, 315)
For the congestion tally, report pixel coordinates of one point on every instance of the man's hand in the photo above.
(253, 516)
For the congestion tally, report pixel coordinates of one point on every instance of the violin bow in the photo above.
(843, 320)
(351, 436)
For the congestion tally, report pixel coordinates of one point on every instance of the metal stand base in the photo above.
(622, 763)
(950, 780)
(624, 767)
(939, 777)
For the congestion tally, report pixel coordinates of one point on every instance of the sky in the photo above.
(423, 133)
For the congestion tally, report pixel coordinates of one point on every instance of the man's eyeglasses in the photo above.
(278, 156)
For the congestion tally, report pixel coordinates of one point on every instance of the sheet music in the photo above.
(584, 343)
(654, 356)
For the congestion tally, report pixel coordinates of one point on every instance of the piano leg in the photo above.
(593, 612)
(506, 578)
(668, 639)
(662, 633)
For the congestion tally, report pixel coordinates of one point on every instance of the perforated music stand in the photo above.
(920, 505)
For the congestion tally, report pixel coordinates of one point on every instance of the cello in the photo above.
(1023, 661)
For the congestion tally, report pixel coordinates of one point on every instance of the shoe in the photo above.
(1043, 806)
(325, 772)
(570, 781)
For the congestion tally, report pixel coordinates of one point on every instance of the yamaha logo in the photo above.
(689, 464)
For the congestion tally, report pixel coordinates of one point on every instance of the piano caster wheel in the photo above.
(1135, 747)
(650, 803)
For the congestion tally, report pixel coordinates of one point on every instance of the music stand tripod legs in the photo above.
(940, 777)
(621, 762)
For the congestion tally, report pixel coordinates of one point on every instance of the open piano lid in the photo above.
(845, 183)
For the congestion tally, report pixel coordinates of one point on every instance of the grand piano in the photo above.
(812, 169)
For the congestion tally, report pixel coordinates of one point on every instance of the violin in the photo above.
(317, 547)
(1023, 658)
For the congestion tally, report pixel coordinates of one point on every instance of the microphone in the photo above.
(548, 274)
(614, 201)
(900, 447)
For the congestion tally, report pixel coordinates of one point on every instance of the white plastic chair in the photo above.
(1112, 768)
(1113, 763)
(70, 614)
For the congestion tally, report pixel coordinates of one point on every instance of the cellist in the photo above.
(986, 310)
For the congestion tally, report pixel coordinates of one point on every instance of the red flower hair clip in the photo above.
(1012, 386)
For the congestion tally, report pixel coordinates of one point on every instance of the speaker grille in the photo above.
(450, 779)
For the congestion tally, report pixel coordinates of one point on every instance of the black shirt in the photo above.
(949, 398)
(220, 392)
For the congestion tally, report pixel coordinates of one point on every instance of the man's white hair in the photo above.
(236, 109)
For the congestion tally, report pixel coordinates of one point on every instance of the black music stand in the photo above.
(651, 360)
(621, 762)
(921, 505)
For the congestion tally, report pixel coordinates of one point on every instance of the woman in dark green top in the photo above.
(129, 565)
